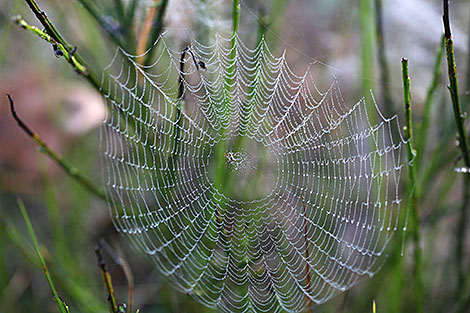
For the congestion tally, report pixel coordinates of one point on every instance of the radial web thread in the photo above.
(247, 185)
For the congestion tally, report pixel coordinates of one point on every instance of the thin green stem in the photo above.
(367, 44)
(89, 7)
(453, 87)
(62, 306)
(274, 22)
(48, 26)
(59, 48)
(221, 174)
(467, 91)
(71, 170)
(236, 23)
(419, 295)
(383, 64)
(132, 6)
(156, 30)
(51, 30)
(463, 144)
(121, 13)
(424, 127)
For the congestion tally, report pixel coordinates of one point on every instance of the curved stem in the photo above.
(71, 170)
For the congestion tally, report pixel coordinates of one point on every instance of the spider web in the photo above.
(249, 186)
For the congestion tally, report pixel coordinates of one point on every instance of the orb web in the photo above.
(248, 185)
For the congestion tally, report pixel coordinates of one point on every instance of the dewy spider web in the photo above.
(250, 188)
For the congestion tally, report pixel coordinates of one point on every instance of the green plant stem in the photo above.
(463, 145)
(383, 64)
(419, 299)
(51, 30)
(59, 49)
(453, 87)
(367, 44)
(422, 135)
(221, 174)
(156, 30)
(62, 306)
(56, 157)
(274, 22)
(121, 14)
(131, 8)
(99, 19)
(467, 91)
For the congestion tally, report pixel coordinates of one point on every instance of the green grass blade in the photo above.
(62, 306)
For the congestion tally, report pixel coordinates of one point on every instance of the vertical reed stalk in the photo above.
(222, 174)
(424, 126)
(418, 291)
(367, 44)
(463, 145)
(383, 64)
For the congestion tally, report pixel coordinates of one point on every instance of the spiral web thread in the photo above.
(334, 203)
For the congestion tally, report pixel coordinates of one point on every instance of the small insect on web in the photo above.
(239, 161)
(250, 186)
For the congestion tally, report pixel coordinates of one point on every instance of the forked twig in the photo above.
(71, 170)
(52, 31)
(59, 49)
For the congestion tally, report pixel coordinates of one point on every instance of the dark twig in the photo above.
(106, 280)
(419, 298)
(118, 257)
(179, 108)
(71, 170)
(463, 145)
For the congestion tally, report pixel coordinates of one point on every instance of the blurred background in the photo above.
(66, 111)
